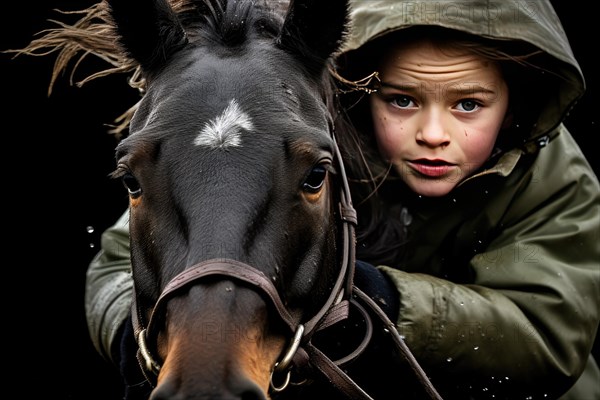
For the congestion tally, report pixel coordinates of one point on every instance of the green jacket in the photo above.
(502, 287)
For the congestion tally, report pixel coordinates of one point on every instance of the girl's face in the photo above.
(437, 114)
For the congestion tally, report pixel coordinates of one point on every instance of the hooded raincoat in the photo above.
(500, 289)
(500, 283)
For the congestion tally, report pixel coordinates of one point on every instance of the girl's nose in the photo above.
(432, 131)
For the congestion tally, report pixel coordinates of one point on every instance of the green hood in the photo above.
(499, 20)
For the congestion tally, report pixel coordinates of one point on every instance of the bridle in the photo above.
(301, 351)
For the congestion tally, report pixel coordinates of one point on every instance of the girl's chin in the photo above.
(431, 188)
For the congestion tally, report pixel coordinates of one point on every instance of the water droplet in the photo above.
(449, 359)
(228, 289)
(92, 245)
(89, 229)
(405, 216)
(462, 303)
(476, 348)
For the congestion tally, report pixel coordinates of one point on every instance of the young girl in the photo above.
(473, 198)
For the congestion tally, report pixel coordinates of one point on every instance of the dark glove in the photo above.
(379, 287)
(136, 385)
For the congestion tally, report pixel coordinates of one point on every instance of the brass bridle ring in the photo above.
(283, 365)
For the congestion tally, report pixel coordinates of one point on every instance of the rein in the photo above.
(301, 352)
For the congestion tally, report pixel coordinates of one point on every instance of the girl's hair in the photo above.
(382, 220)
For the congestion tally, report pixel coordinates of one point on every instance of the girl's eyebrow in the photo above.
(399, 86)
(454, 89)
(470, 88)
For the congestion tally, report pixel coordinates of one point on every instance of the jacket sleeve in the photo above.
(109, 287)
(531, 313)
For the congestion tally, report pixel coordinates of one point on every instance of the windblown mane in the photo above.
(94, 33)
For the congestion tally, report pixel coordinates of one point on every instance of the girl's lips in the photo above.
(431, 168)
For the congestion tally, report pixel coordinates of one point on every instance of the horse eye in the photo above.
(132, 185)
(314, 181)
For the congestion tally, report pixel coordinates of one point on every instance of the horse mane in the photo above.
(231, 26)
(94, 33)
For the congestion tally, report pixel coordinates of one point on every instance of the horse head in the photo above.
(233, 177)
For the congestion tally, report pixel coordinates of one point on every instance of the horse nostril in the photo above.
(163, 392)
(247, 390)
(253, 396)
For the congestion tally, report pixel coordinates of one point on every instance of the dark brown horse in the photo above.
(241, 223)
(233, 174)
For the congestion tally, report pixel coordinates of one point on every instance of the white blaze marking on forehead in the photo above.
(226, 129)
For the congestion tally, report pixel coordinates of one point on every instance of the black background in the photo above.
(57, 155)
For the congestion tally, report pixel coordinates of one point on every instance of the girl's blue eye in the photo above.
(403, 101)
(467, 105)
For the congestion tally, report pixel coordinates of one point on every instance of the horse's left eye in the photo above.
(315, 179)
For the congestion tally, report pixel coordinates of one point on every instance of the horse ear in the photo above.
(314, 30)
(148, 30)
